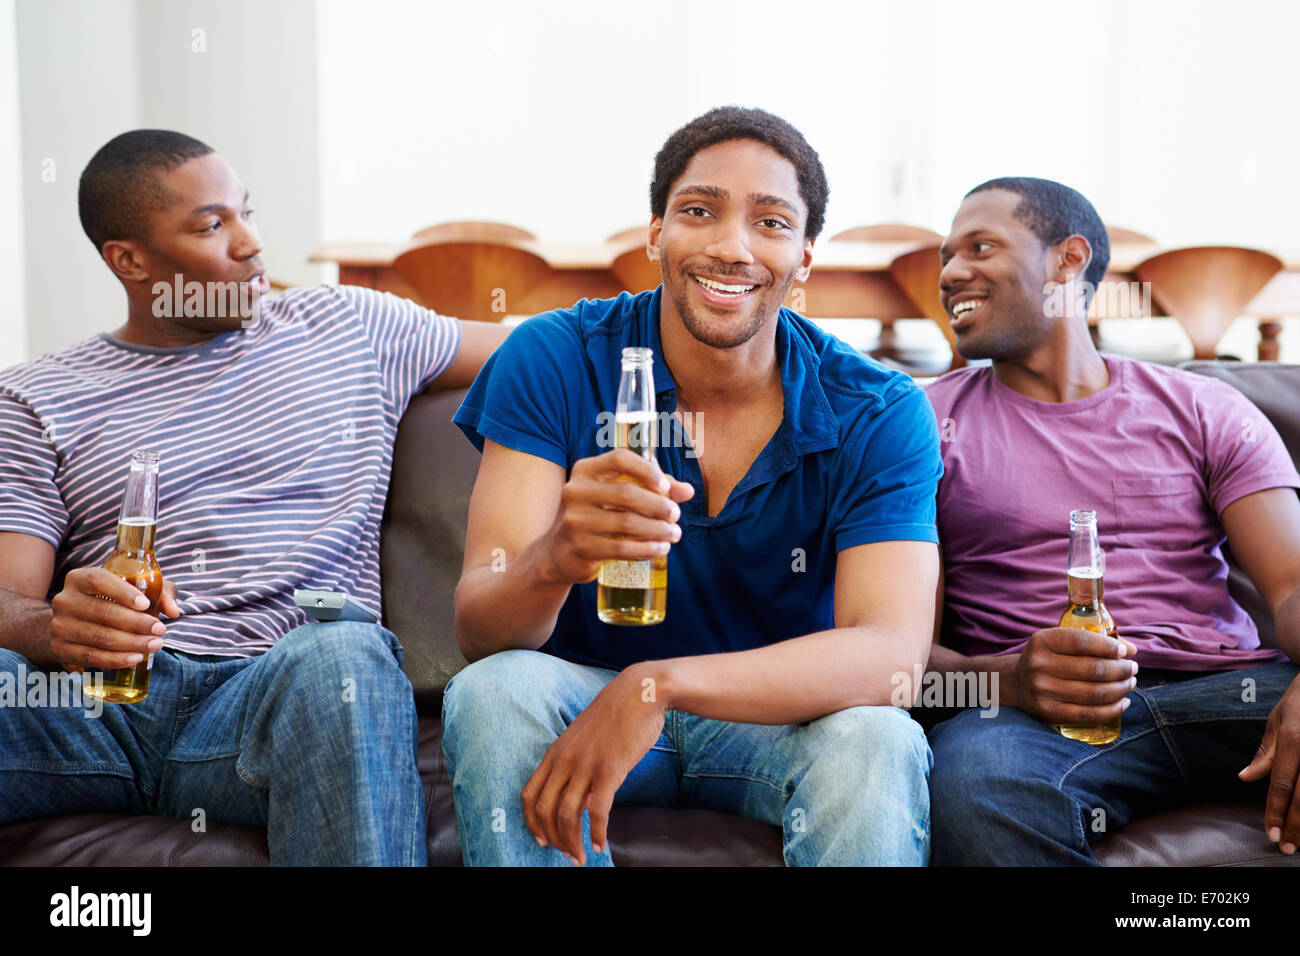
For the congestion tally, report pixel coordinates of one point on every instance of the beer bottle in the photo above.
(133, 561)
(1086, 609)
(635, 592)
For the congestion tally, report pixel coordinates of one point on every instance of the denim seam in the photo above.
(248, 778)
(189, 756)
(724, 775)
(1100, 752)
(63, 770)
(1161, 724)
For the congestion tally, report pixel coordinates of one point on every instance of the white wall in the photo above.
(241, 76)
(13, 326)
(1174, 117)
(77, 86)
(91, 69)
(370, 120)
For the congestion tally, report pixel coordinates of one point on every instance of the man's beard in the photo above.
(997, 344)
(723, 337)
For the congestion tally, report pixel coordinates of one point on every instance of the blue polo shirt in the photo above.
(855, 460)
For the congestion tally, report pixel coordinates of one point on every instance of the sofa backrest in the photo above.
(1275, 390)
(423, 539)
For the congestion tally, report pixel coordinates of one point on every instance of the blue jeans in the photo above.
(314, 740)
(1010, 790)
(848, 788)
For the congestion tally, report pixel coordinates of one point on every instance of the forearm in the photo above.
(25, 627)
(1286, 625)
(945, 660)
(788, 683)
(507, 604)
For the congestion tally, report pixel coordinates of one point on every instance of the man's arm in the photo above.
(478, 340)
(1063, 676)
(883, 624)
(531, 536)
(26, 569)
(1264, 534)
(77, 630)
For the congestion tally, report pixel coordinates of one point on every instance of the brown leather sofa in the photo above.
(424, 534)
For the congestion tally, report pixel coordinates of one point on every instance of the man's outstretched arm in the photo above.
(478, 340)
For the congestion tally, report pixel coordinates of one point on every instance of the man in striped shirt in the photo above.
(275, 422)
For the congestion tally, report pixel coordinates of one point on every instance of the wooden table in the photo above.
(849, 280)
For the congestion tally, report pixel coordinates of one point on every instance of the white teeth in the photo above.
(962, 308)
(722, 287)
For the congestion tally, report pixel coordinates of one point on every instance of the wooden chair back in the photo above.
(1207, 287)
(917, 274)
(472, 231)
(887, 232)
(472, 280)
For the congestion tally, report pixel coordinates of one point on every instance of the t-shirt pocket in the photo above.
(1159, 512)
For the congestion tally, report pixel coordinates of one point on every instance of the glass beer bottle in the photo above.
(1086, 609)
(635, 592)
(133, 561)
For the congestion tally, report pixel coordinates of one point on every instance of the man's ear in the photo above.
(127, 258)
(1072, 258)
(805, 267)
(652, 243)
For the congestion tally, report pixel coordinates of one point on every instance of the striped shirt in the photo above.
(276, 446)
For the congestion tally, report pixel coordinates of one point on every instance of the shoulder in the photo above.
(850, 379)
(948, 389)
(584, 328)
(319, 304)
(1180, 392)
(55, 374)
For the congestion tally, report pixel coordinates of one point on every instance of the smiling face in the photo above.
(731, 241)
(994, 273)
(204, 234)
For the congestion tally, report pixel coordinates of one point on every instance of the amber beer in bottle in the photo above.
(133, 561)
(1086, 609)
(635, 592)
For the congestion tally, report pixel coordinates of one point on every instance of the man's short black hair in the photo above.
(726, 123)
(120, 184)
(1053, 213)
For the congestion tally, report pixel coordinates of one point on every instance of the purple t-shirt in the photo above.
(1158, 454)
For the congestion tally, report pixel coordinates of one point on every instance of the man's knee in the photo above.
(505, 681)
(509, 705)
(876, 739)
(336, 650)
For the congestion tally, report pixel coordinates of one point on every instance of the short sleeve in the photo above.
(521, 398)
(1243, 451)
(30, 502)
(412, 344)
(889, 474)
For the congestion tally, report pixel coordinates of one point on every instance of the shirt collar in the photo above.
(808, 422)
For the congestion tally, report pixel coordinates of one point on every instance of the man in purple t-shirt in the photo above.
(1172, 463)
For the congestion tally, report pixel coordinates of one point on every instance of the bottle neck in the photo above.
(1085, 587)
(136, 536)
(140, 499)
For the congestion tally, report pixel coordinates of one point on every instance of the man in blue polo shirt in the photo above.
(799, 528)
